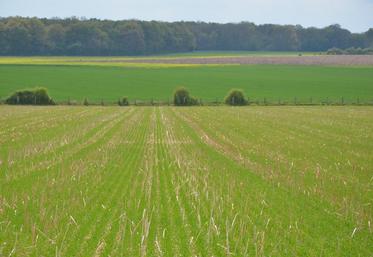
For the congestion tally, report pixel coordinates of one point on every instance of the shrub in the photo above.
(35, 96)
(194, 101)
(124, 101)
(359, 51)
(350, 51)
(368, 51)
(85, 102)
(335, 51)
(235, 97)
(183, 98)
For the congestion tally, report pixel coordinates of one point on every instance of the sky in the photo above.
(355, 15)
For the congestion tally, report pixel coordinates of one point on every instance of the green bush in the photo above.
(236, 97)
(335, 51)
(34, 96)
(368, 51)
(124, 101)
(193, 101)
(350, 51)
(85, 102)
(183, 98)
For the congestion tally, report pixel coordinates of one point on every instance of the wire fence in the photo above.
(218, 102)
(311, 101)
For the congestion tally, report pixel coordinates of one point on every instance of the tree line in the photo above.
(73, 36)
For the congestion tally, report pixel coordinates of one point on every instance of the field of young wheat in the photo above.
(203, 181)
(106, 79)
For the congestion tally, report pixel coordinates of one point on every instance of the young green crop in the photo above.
(275, 83)
(168, 181)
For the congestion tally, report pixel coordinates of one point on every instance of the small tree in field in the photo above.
(124, 101)
(183, 98)
(236, 97)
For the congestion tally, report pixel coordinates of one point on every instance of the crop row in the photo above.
(167, 181)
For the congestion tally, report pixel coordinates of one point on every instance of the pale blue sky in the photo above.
(356, 15)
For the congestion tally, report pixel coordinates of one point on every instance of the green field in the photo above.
(98, 81)
(203, 181)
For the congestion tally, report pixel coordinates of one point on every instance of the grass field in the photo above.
(272, 82)
(164, 181)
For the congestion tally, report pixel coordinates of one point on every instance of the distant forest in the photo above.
(73, 36)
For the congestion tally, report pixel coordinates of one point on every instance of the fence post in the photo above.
(311, 100)
(342, 101)
(295, 101)
(358, 100)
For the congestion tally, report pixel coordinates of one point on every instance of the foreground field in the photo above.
(272, 82)
(162, 181)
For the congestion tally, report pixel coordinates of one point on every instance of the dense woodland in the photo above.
(73, 36)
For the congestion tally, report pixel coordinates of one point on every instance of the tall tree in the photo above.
(129, 38)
